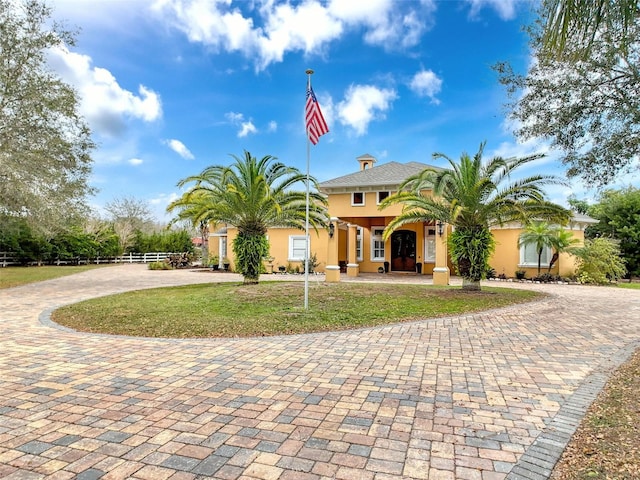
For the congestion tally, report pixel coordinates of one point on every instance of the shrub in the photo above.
(599, 262)
(520, 274)
(160, 266)
(548, 278)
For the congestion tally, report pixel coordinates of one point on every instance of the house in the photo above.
(353, 244)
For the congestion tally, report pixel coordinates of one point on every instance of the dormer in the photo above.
(366, 161)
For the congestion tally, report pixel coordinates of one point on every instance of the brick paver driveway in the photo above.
(485, 396)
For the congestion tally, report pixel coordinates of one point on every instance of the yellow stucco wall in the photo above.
(340, 206)
(279, 247)
(506, 258)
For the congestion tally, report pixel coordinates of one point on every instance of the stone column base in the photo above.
(353, 269)
(332, 274)
(441, 276)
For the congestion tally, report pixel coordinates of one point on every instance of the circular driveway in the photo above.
(484, 396)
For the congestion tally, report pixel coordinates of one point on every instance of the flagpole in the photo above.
(309, 72)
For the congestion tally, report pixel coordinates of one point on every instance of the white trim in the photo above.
(547, 253)
(378, 201)
(332, 267)
(290, 253)
(373, 240)
(364, 199)
(427, 236)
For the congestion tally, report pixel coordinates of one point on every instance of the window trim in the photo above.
(292, 239)
(534, 264)
(373, 239)
(378, 201)
(359, 242)
(353, 204)
(427, 237)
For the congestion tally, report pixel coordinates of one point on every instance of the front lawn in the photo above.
(16, 276)
(273, 308)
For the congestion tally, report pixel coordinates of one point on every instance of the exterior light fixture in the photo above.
(332, 229)
(440, 226)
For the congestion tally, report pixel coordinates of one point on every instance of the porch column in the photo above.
(332, 270)
(353, 269)
(441, 269)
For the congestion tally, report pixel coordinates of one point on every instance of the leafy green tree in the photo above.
(45, 145)
(584, 101)
(28, 244)
(577, 205)
(252, 195)
(474, 196)
(571, 23)
(599, 261)
(619, 215)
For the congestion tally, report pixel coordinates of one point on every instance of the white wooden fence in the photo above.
(10, 258)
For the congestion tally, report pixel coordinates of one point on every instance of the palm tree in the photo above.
(252, 195)
(473, 196)
(563, 241)
(541, 235)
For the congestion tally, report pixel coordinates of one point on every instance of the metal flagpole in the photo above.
(309, 72)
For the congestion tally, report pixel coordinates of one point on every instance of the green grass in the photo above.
(16, 276)
(634, 286)
(273, 308)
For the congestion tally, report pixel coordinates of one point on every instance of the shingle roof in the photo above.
(389, 175)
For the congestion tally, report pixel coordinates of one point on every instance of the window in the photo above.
(359, 243)
(377, 244)
(382, 196)
(430, 244)
(357, 198)
(529, 256)
(297, 248)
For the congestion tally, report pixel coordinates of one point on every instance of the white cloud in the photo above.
(273, 126)
(180, 148)
(425, 83)
(506, 9)
(104, 103)
(234, 117)
(237, 119)
(363, 104)
(136, 161)
(269, 32)
(246, 129)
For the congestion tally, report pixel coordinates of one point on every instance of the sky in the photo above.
(170, 87)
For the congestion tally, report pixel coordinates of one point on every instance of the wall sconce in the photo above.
(332, 229)
(440, 226)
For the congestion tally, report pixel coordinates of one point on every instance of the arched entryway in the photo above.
(403, 251)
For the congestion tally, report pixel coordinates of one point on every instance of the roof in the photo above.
(388, 175)
(581, 218)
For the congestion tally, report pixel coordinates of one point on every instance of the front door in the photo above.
(403, 251)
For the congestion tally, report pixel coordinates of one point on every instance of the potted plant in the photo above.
(215, 262)
(226, 263)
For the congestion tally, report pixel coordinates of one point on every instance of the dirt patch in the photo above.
(607, 443)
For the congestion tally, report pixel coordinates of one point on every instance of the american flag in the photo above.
(315, 123)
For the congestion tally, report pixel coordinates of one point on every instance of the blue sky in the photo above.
(170, 87)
